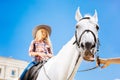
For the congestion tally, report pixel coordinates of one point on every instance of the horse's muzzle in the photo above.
(88, 56)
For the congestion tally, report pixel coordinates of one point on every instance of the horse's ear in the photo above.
(95, 16)
(78, 15)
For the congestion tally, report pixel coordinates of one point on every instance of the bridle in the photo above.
(77, 41)
(97, 44)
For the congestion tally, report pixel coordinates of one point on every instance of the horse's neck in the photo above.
(76, 59)
(66, 59)
(67, 50)
(61, 66)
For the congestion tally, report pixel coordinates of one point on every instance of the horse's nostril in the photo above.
(93, 46)
(93, 56)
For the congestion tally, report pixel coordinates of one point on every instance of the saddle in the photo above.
(32, 73)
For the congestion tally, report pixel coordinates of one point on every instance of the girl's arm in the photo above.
(33, 53)
(37, 54)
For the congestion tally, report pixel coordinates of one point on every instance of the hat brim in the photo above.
(48, 28)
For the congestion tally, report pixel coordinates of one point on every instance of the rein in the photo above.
(46, 73)
(98, 63)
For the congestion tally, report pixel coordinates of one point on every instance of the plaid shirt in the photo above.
(41, 47)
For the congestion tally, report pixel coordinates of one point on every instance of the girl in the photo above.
(40, 48)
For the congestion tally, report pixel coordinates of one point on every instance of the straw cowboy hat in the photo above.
(48, 28)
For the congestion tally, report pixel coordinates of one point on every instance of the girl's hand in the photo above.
(43, 55)
(49, 55)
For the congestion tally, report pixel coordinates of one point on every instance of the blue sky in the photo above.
(19, 17)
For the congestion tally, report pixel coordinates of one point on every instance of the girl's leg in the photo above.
(26, 69)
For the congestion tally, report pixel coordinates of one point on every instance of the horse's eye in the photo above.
(97, 27)
(82, 45)
(77, 26)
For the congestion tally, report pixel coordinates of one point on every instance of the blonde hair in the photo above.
(47, 39)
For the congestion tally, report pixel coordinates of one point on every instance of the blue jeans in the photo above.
(27, 68)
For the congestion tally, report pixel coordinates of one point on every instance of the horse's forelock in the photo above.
(92, 19)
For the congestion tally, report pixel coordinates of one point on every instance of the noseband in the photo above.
(77, 41)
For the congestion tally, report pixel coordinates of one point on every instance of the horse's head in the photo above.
(87, 35)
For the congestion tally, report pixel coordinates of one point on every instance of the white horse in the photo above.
(83, 45)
